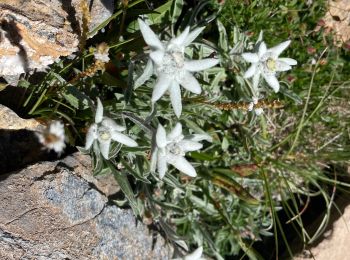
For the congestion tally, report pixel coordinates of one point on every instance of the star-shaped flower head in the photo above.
(267, 63)
(105, 130)
(172, 148)
(168, 62)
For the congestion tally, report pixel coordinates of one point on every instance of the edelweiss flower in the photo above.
(195, 255)
(171, 67)
(53, 137)
(267, 63)
(172, 148)
(104, 130)
(101, 52)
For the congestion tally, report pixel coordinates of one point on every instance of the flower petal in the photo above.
(262, 49)
(190, 83)
(195, 255)
(282, 66)
(161, 86)
(192, 36)
(91, 136)
(99, 111)
(175, 133)
(161, 137)
(250, 57)
(189, 145)
(256, 79)
(146, 75)
(175, 97)
(123, 139)
(289, 61)
(161, 163)
(181, 164)
(278, 49)
(111, 124)
(149, 36)
(251, 71)
(157, 56)
(104, 147)
(153, 164)
(272, 81)
(198, 65)
(179, 40)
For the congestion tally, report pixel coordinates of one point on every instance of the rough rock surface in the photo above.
(19, 145)
(48, 211)
(10, 120)
(337, 20)
(34, 33)
(335, 243)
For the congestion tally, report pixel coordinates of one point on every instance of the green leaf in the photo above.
(234, 187)
(134, 173)
(129, 89)
(202, 156)
(176, 10)
(155, 17)
(285, 91)
(76, 98)
(223, 43)
(160, 12)
(205, 206)
(23, 83)
(125, 187)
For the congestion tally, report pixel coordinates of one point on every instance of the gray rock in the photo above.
(49, 211)
(35, 33)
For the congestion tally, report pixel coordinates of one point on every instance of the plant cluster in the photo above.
(214, 88)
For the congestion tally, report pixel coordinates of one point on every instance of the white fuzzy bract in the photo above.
(171, 149)
(267, 63)
(53, 137)
(167, 61)
(105, 130)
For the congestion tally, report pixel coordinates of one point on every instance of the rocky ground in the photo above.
(50, 211)
(58, 210)
(335, 242)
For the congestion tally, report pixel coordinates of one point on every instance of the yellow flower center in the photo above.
(271, 64)
(105, 135)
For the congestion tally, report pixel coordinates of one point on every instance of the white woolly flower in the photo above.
(53, 137)
(105, 130)
(101, 52)
(168, 62)
(195, 255)
(101, 57)
(267, 63)
(172, 148)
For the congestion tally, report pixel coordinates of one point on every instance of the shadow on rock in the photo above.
(19, 148)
